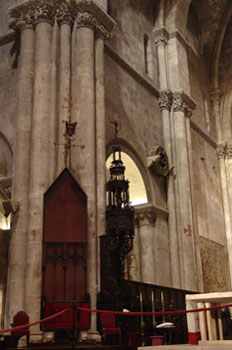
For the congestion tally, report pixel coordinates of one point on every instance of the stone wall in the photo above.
(8, 92)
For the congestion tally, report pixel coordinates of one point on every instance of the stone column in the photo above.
(146, 217)
(134, 257)
(100, 140)
(39, 168)
(181, 105)
(17, 252)
(202, 321)
(221, 152)
(165, 103)
(65, 19)
(188, 114)
(86, 167)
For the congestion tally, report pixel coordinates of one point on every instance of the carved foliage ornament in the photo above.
(183, 103)
(165, 100)
(87, 19)
(65, 14)
(221, 150)
(30, 17)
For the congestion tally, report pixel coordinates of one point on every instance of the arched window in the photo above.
(137, 190)
(147, 55)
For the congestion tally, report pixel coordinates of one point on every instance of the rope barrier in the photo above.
(116, 313)
(34, 323)
(155, 313)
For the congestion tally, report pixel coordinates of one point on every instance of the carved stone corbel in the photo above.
(157, 161)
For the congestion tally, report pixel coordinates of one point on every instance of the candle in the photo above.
(162, 296)
(141, 297)
(152, 296)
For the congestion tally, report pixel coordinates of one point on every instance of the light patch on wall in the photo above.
(137, 188)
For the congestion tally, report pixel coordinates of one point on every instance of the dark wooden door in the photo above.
(64, 268)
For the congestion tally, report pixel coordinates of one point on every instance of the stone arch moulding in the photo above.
(6, 152)
(131, 152)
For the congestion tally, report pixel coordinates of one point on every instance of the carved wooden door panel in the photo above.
(64, 268)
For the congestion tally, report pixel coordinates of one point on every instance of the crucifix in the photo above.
(70, 128)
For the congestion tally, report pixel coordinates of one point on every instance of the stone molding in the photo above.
(160, 36)
(183, 103)
(165, 100)
(221, 150)
(146, 214)
(88, 13)
(7, 38)
(141, 79)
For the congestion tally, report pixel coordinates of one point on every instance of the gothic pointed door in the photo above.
(64, 269)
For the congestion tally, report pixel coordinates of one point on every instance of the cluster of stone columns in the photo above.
(37, 21)
(175, 108)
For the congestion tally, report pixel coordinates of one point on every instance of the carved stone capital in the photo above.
(44, 13)
(229, 150)
(216, 97)
(221, 150)
(90, 14)
(29, 13)
(165, 100)
(87, 19)
(21, 21)
(160, 37)
(183, 103)
(65, 14)
(145, 215)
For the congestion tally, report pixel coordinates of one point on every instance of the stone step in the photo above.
(212, 345)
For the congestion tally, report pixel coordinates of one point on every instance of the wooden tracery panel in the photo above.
(65, 241)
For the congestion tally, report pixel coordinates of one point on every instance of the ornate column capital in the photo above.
(165, 100)
(221, 150)
(21, 20)
(229, 150)
(183, 103)
(145, 215)
(65, 14)
(31, 12)
(44, 13)
(90, 14)
(160, 36)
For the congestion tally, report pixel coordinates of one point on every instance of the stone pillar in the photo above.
(202, 321)
(17, 252)
(146, 217)
(165, 103)
(90, 160)
(86, 171)
(194, 204)
(221, 152)
(65, 18)
(100, 140)
(39, 168)
(181, 105)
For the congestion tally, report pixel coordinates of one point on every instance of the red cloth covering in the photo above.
(65, 320)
